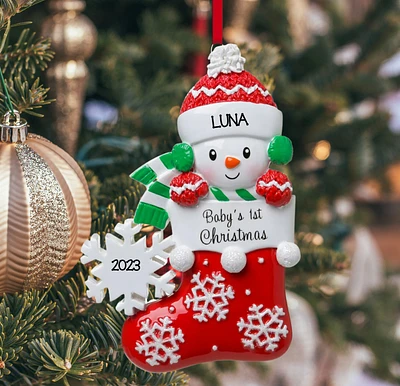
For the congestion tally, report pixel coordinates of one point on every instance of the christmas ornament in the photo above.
(73, 38)
(232, 220)
(44, 206)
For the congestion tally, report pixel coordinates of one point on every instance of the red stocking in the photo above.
(214, 315)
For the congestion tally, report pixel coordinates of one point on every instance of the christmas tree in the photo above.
(141, 69)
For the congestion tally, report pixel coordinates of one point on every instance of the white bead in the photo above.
(181, 258)
(233, 259)
(288, 254)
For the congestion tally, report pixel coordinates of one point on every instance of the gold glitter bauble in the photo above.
(74, 39)
(44, 213)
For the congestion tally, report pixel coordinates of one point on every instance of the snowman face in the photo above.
(231, 163)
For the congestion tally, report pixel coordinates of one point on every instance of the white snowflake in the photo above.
(263, 328)
(210, 297)
(128, 267)
(160, 341)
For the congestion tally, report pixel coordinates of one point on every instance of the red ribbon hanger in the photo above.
(217, 21)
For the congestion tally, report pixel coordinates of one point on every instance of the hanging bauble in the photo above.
(44, 209)
(73, 38)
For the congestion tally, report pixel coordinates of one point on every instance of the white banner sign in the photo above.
(215, 225)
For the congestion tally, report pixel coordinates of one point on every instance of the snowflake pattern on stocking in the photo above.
(160, 341)
(210, 297)
(263, 328)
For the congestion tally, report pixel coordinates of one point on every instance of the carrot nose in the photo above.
(231, 162)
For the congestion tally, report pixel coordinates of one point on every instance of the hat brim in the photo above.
(232, 119)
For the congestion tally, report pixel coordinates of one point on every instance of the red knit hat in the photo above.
(228, 98)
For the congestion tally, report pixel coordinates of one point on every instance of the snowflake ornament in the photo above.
(160, 341)
(263, 328)
(128, 267)
(210, 297)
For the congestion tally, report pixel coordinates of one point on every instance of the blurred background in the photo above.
(121, 70)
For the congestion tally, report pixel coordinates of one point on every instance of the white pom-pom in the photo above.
(233, 259)
(181, 258)
(288, 254)
(225, 59)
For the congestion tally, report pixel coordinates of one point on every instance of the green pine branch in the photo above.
(141, 74)
(119, 210)
(381, 42)
(272, 20)
(22, 317)
(119, 370)
(104, 331)
(27, 55)
(68, 294)
(9, 8)
(315, 261)
(341, 136)
(20, 62)
(59, 335)
(262, 62)
(25, 96)
(62, 355)
(361, 31)
(104, 328)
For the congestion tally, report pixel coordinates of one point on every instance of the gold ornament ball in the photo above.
(74, 39)
(73, 36)
(45, 212)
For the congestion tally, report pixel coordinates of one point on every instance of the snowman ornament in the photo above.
(232, 220)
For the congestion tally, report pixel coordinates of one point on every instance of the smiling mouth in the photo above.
(232, 178)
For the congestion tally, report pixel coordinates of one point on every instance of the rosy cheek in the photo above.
(209, 173)
(253, 170)
(207, 170)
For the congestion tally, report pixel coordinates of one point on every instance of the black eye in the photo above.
(246, 152)
(212, 155)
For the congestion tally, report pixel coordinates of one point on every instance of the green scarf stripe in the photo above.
(159, 189)
(245, 195)
(144, 175)
(151, 214)
(166, 159)
(218, 194)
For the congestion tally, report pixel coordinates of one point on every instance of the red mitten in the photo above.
(275, 187)
(187, 188)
